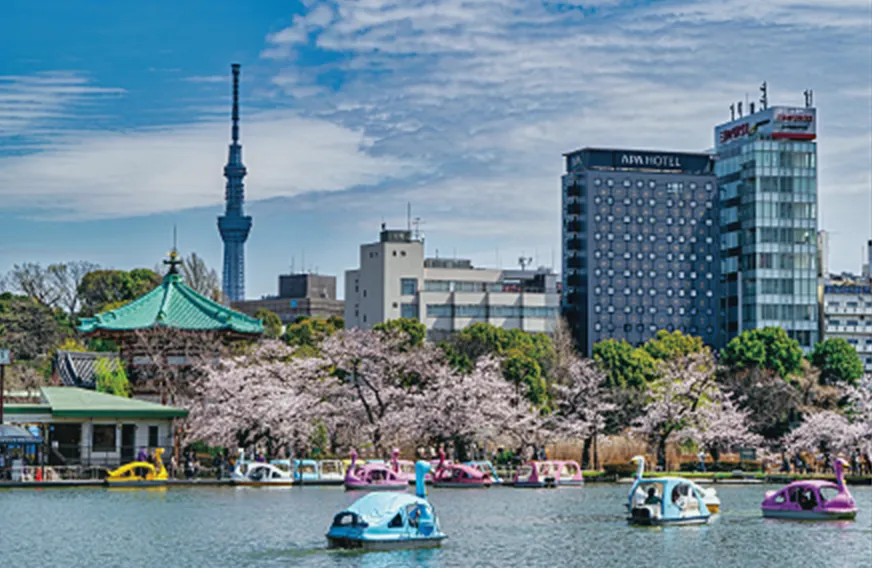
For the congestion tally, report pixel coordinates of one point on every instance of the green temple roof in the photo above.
(172, 305)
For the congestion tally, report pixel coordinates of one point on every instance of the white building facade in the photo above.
(396, 280)
(847, 313)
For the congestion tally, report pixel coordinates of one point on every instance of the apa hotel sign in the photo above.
(654, 161)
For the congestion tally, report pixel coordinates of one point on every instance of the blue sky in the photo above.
(114, 118)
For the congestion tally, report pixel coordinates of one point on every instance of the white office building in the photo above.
(847, 313)
(396, 280)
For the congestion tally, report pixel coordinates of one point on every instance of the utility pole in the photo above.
(5, 359)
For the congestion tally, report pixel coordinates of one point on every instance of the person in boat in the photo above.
(652, 498)
(807, 500)
(141, 456)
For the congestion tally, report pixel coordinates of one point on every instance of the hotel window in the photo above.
(470, 311)
(408, 286)
(103, 438)
(437, 286)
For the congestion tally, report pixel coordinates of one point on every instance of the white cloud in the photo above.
(493, 91)
(97, 175)
(28, 103)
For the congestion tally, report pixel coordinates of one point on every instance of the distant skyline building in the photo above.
(310, 295)
(234, 225)
(767, 177)
(640, 245)
(396, 280)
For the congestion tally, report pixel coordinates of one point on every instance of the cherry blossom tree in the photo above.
(376, 376)
(261, 397)
(685, 386)
(717, 427)
(859, 412)
(826, 431)
(581, 403)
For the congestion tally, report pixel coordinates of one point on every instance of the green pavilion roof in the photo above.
(72, 402)
(175, 305)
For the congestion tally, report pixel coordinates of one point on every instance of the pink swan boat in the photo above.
(812, 500)
(458, 475)
(537, 474)
(404, 469)
(372, 477)
(569, 473)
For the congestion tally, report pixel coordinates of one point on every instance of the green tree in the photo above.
(109, 289)
(627, 367)
(29, 328)
(111, 377)
(673, 345)
(767, 348)
(308, 331)
(415, 331)
(528, 358)
(524, 372)
(272, 324)
(838, 361)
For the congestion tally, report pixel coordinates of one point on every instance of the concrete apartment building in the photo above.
(312, 295)
(396, 280)
(846, 312)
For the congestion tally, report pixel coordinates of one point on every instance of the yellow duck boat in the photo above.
(139, 474)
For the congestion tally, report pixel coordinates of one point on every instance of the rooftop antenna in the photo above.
(175, 237)
(292, 264)
(739, 106)
(409, 216)
(417, 222)
(751, 107)
(524, 261)
(733, 111)
(809, 98)
(764, 96)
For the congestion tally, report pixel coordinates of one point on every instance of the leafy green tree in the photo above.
(524, 372)
(767, 348)
(415, 331)
(111, 377)
(673, 345)
(109, 289)
(272, 324)
(338, 322)
(838, 361)
(627, 367)
(308, 331)
(29, 328)
(528, 358)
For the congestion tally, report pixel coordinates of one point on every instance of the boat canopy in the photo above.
(379, 508)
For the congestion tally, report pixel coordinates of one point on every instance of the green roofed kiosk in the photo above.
(170, 326)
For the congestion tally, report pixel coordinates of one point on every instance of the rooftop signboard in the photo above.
(638, 160)
(785, 123)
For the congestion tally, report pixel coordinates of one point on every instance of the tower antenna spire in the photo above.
(234, 133)
(234, 225)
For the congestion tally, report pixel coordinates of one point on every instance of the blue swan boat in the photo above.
(389, 520)
(667, 501)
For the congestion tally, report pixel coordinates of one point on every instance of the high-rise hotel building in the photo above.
(640, 245)
(767, 178)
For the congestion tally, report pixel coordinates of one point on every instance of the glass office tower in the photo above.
(767, 178)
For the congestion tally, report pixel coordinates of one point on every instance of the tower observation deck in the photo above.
(234, 225)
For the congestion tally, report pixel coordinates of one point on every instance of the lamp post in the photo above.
(5, 359)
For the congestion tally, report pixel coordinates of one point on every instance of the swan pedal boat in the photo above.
(488, 468)
(257, 474)
(812, 500)
(709, 494)
(139, 474)
(388, 521)
(372, 477)
(331, 472)
(459, 476)
(537, 474)
(676, 501)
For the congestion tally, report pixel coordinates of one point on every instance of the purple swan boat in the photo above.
(372, 477)
(812, 500)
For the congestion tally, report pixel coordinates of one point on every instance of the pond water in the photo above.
(211, 526)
